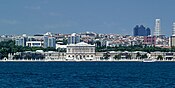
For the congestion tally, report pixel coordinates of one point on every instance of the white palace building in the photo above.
(80, 52)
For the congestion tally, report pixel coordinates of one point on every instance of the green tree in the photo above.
(117, 57)
(106, 55)
(7, 47)
(138, 55)
(50, 49)
(98, 43)
(128, 56)
(159, 57)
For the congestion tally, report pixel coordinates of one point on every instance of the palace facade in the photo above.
(80, 51)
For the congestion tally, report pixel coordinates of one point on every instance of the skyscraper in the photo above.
(135, 30)
(172, 38)
(141, 31)
(157, 28)
(173, 30)
(172, 41)
(148, 31)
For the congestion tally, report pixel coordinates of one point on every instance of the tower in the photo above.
(173, 30)
(157, 28)
(148, 31)
(141, 31)
(172, 38)
(135, 30)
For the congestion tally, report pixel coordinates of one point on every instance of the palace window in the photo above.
(68, 50)
(91, 49)
(73, 50)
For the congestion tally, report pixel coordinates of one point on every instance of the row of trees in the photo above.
(107, 55)
(7, 47)
(29, 55)
(134, 48)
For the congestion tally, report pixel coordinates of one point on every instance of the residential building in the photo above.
(74, 38)
(150, 40)
(21, 41)
(4, 39)
(49, 41)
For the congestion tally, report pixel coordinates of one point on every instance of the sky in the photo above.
(100, 16)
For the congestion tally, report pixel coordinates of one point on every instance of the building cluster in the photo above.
(81, 46)
(141, 36)
(141, 31)
(46, 40)
(6, 38)
(90, 55)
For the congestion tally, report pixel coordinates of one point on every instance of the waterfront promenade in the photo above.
(57, 60)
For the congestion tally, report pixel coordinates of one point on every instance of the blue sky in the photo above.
(67, 16)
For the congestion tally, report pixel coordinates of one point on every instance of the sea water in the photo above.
(87, 74)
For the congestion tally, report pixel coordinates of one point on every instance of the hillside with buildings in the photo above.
(90, 46)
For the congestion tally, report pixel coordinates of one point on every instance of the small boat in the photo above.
(149, 60)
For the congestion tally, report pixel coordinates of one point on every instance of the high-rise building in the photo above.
(173, 31)
(52, 42)
(141, 31)
(172, 38)
(157, 28)
(172, 41)
(74, 38)
(148, 31)
(45, 41)
(49, 41)
(135, 30)
(21, 41)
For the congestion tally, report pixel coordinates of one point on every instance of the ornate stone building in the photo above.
(80, 51)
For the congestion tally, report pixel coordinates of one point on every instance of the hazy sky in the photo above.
(67, 16)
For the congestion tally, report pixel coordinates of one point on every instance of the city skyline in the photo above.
(120, 17)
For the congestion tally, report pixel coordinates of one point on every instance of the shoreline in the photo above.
(82, 61)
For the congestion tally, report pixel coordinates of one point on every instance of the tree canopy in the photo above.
(7, 47)
(134, 48)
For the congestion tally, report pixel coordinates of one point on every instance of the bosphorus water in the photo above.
(87, 74)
